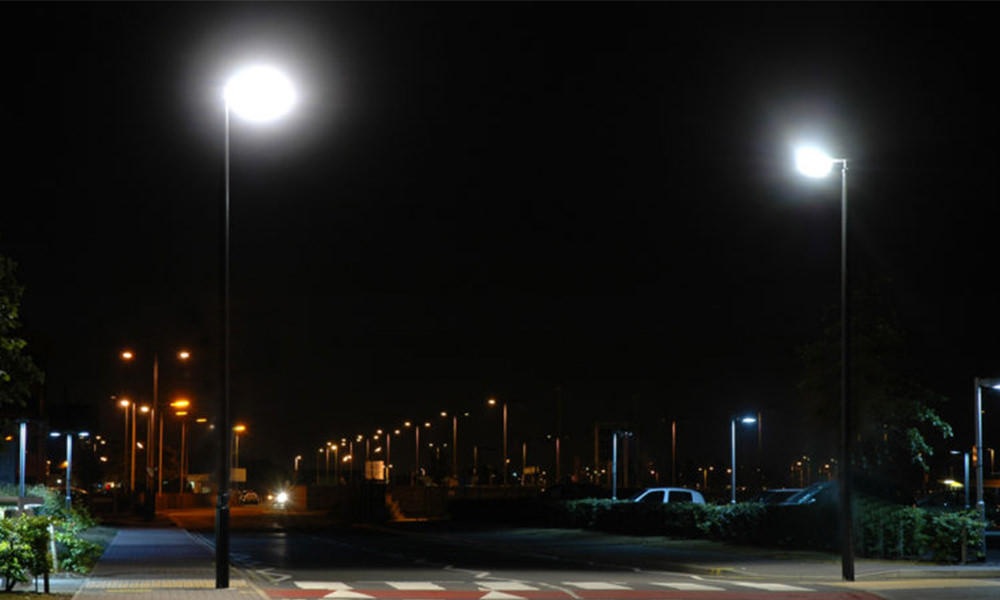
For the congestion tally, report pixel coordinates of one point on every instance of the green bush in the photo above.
(732, 522)
(950, 531)
(25, 540)
(15, 554)
(883, 529)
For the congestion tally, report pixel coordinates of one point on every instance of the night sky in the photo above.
(588, 210)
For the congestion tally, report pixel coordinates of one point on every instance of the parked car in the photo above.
(668, 495)
(775, 496)
(249, 497)
(822, 492)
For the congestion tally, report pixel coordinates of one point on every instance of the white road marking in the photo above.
(414, 585)
(689, 587)
(596, 585)
(506, 586)
(322, 585)
(772, 587)
(500, 596)
(272, 576)
(347, 594)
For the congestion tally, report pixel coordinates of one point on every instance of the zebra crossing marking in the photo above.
(596, 585)
(415, 585)
(771, 587)
(689, 587)
(322, 585)
(506, 586)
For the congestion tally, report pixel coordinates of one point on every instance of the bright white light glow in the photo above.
(748, 420)
(282, 497)
(259, 94)
(813, 162)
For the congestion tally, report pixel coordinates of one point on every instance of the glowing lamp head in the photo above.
(259, 93)
(813, 162)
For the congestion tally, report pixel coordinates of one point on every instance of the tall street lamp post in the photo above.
(257, 93)
(732, 428)
(503, 466)
(815, 163)
(977, 450)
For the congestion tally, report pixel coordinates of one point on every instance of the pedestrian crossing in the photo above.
(522, 590)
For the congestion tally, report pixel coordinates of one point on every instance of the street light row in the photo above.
(386, 434)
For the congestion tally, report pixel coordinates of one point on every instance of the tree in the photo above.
(18, 372)
(895, 418)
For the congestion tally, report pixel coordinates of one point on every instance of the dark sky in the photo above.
(477, 199)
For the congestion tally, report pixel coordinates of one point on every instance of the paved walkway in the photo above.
(154, 564)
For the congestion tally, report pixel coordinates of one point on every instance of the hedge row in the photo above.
(883, 530)
(26, 541)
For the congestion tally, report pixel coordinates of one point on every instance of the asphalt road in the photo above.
(292, 556)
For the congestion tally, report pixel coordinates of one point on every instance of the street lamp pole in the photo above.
(814, 163)
(69, 471)
(222, 494)
(131, 477)
(454, 446)
(260, 94)
(732, 426)
(22, 457)
(977, 450)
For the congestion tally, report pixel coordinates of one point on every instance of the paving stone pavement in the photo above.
(155, 564)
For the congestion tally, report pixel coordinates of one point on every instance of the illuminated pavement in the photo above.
(434, 563)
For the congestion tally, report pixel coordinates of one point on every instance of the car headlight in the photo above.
(281, 498)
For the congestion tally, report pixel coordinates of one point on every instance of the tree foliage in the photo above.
(895, 419)
(18, 372)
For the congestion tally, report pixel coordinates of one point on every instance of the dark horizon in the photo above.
(493, 199)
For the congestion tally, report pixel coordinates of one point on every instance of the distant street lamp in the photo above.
(493, 402)
(126, 472)
(237, 430)
(69, 461)
(815, 163)
(257, 93)
(732, 425)
(965, 465)
(180, 407)
(454, 441)
(128, 356)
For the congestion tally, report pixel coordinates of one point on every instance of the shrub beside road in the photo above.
(884, 530)
(27, 541)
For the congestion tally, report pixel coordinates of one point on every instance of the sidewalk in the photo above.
(159, 563)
